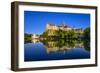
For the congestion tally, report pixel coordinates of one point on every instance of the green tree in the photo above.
(27, 37)
(70, 34)
(87, 33)
(87, 38)
(45, 34)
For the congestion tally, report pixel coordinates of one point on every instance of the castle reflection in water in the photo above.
(62, 45)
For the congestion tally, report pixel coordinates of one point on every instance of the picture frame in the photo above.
(20, 23)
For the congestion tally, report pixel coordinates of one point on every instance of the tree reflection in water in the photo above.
(63, 44)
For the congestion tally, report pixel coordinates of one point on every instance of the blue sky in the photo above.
(35, 22)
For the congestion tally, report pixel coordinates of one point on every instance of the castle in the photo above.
(54, 27)
(51, 28)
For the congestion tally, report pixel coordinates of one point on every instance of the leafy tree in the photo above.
(27, 37)
(87, 33)
(87, 38)
(70, 34)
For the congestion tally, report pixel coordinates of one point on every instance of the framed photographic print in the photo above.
(52, 36)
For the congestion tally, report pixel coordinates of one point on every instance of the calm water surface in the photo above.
(54, 50)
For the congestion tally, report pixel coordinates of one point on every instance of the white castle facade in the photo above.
(51, 28)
